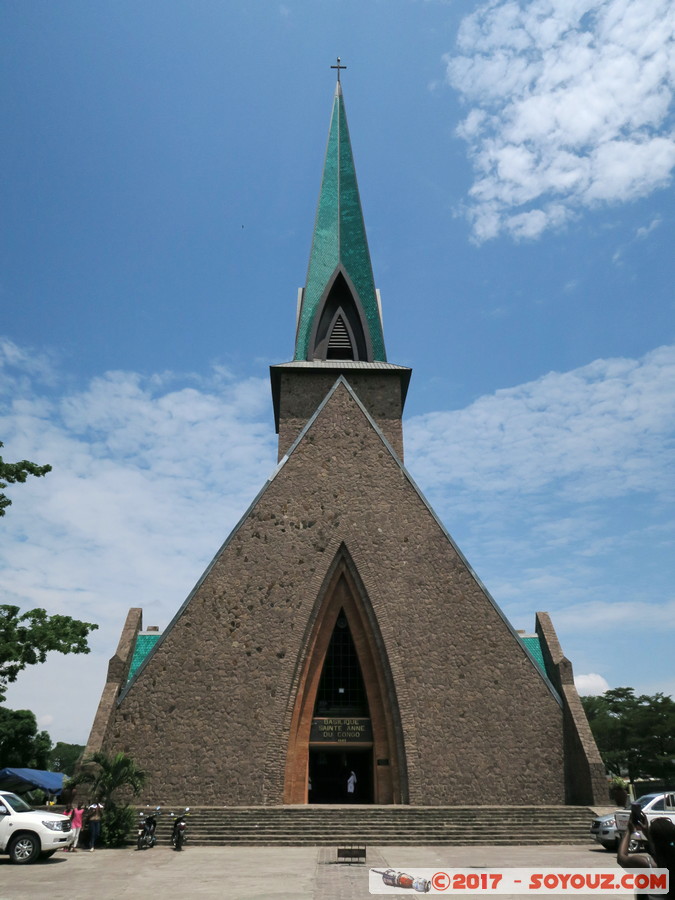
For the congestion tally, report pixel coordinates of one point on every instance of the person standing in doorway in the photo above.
(351, 786)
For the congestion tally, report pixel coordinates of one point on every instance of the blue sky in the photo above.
(160, 171)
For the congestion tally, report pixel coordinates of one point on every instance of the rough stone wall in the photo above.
(208, 714)
(302, 390)
(585, 778)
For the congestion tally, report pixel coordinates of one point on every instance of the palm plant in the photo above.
(112, 773)
(108, 774)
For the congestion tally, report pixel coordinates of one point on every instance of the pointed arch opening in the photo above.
(340, 330)
(345, 718)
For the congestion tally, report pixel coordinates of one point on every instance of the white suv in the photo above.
(654, 806)
(26, 833)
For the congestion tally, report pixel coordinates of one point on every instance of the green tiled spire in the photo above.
(339, 239)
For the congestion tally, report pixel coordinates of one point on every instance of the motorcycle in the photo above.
(179, 833)
(147, 826)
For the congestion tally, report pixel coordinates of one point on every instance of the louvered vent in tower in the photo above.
(339, 343)
(339, 330)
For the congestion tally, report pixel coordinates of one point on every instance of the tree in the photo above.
(109, 774)
(10, 473)
(635, 734)
(26, 639)
(65, 757)
(20, 742)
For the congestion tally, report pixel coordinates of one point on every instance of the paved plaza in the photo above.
(259, 873)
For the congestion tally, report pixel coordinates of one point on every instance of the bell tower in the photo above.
(339, 305)
(339, 318)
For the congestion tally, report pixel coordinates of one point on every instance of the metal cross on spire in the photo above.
(338, 67)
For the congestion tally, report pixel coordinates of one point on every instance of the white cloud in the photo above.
(598, 431)
(612, 616)
(590, 685)
(571, 107)
(19, 366)
(149, 476)
(645, 230)
(641, 234)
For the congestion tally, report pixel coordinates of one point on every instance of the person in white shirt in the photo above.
(351, 785)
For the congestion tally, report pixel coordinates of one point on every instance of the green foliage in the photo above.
(65, 757)
(635, 734)
(26, 639)
(21, 744)
(108, 774)
(618, 783)
(11, 473)
(116, 823)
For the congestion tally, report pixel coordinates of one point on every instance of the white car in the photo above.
(652, 805)
(604, 831)
(27, 833)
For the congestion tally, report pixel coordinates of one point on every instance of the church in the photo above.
(339, 630)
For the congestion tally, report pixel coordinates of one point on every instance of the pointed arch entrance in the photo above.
(345, 716)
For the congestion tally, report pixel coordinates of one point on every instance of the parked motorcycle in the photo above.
(147, 826)
(179, 833)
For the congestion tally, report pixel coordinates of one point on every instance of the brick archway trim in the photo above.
(343, 589)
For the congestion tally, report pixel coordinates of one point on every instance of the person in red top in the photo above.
(76, 824)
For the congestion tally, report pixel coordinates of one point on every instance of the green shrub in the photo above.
(618, 783)
(117, 823)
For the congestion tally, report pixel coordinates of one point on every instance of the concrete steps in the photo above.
(382, 825)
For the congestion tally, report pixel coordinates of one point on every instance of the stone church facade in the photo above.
(339, 628)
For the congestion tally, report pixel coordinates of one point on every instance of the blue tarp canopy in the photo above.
(20, 781)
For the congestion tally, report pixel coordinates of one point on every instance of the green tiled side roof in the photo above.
(533, 645)
(339, 237)
(144, 644)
